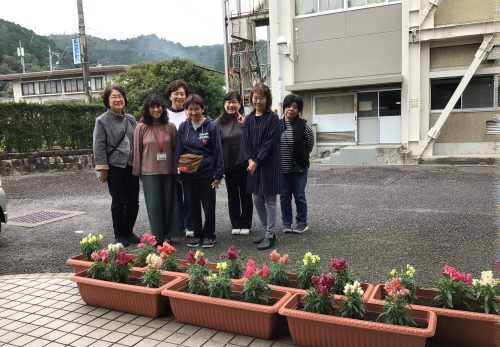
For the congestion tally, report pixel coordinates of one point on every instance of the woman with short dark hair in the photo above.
(262, 151)
(297, 141)
(113, 141)
(231, 125)
(198, 142)
(154, 140)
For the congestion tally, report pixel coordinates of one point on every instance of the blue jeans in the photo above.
(294, 184)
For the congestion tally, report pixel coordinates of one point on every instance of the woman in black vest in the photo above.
(297, 141)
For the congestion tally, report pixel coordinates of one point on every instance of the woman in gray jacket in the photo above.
(113, 145)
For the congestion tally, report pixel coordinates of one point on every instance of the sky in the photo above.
(189, 22)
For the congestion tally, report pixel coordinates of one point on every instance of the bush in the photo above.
(31, 127)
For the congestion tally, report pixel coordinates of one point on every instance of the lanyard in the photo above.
(163, 138)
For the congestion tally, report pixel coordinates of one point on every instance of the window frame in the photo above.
(345, 8)
(74, 80)
(42, 87)
(32, 84)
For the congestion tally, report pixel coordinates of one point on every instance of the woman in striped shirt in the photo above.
(297, 141)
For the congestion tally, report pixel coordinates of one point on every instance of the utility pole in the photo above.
(20, 53)
(58, 55)
(85, 60)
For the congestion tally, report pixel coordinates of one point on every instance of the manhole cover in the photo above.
(42, 217)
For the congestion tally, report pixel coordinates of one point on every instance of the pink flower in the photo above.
(395, 289)
(265, 271)
(250, 268)
(453, 274)
(123, 259)
(232, 253)
(275, 256)
(166, 249)
(147, 239)
(283, 259)
(339, 264)
(101, 255)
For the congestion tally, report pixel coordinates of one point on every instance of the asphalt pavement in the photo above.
(377, 217)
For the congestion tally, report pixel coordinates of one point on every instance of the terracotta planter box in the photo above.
(124, 297)
(320, 330)
(292, 277)
(223, 314)
(464, 328)
(80, 262)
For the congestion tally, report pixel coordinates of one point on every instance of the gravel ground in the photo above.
(377, 217)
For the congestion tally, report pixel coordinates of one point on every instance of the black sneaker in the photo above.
(133, 238)
(193, 243)
(208, 243)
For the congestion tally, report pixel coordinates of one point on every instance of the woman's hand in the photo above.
(240, 118)
(252, 166)
(215, 184)
(102, 175)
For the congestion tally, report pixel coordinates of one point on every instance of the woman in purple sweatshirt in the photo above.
(200, 135)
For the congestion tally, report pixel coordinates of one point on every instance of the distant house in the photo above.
(60, 85)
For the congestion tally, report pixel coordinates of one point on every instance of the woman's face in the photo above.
(195, 112)
(292, 111)
(232, 107)
(116, 102)
(156, 111)
(177, 98)
(259, 102)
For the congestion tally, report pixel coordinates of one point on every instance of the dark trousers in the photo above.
(239, 201)
(200, 193)
(182, 200)
(124, 190)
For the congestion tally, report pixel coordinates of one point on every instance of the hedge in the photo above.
(31, 127)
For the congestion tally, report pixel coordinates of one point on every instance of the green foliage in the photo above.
(31, 127)
(142, 79)
(170, 263)
(255, 290)
(397, 311)
(142, 253)
(353, 305)
(278, 274)
(151, 278)
(487, 297)
(318, 303)
(453, 294)
(304, 273)
(196, 282)
(97, 270)
(219, 285)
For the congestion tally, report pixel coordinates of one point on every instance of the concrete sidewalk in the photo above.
(46, 310)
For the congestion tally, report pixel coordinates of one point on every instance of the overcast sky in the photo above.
(190, 22)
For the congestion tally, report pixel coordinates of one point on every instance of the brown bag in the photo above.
(189, 163)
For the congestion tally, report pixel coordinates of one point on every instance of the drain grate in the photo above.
(42, 217)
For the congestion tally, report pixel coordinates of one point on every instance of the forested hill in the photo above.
(100, 51)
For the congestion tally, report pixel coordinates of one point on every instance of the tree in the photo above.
(142, 79)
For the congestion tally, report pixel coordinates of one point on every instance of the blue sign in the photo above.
(77, 59)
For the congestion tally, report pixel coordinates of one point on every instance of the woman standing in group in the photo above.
(113, 140)
(154, 140)
(177, 91)
(231, 124)
(198, 158)
(262, 150)
(297, 141)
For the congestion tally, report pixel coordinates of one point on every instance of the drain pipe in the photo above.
(278, 60)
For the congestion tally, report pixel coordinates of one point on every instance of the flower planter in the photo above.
(320, 330)
(292, 277)
(224, 314)
(124, 297)
(464, 328)
(80, 262)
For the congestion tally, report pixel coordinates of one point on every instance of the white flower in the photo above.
(349, 289)
(115, 247)
(487, 278)
(154, 261)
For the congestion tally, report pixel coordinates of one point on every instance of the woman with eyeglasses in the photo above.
(231, 125)
(154, 140)
(177, 91)
(261, 139)
(113, 141)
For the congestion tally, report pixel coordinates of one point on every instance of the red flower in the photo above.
(454, 275)
(232, 253)
(324, 283)
(147, 239)
(101, 255)
(123, 259)
(339, 264)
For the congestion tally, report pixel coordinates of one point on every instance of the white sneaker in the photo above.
(189, 233)
(244, 231)
(236, 231)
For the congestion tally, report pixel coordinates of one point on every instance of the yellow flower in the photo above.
(212, 277)
(310, 258)
(222, 266)
(198, 254)
(410, 270)
(393, 272)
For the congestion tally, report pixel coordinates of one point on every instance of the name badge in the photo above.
(161, 156)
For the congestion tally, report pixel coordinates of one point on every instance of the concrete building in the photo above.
(60, 85)
(385, 81)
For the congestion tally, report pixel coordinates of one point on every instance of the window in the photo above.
(98, 83)
(383, 103)
(50, 87)
(28, 88)
(479, 93)
(73, 85)
(337, 104)
(304, 7)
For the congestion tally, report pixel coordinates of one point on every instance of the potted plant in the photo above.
(251, 309)
(320, 318)
(110, 282)
(88, 245)
(234, 262)
(145, 247)
(467, 309)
